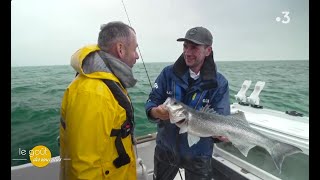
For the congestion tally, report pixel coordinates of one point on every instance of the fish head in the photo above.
(176, 110)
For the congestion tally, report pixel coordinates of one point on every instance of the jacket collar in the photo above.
(207, 71)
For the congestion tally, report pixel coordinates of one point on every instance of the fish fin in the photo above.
(192, 139)
(243, 148)
(280, 151)
(207, 109)
(240, 116)
(183, 129)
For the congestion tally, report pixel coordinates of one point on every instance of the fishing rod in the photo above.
(138, 46)
(135, 145)
(147, 76)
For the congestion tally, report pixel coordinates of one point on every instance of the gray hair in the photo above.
(113, 32)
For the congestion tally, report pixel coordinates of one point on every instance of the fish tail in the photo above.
(280, 151)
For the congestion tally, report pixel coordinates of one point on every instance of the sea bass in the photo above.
(207, 123)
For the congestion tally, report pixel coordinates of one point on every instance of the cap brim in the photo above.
(194, 41)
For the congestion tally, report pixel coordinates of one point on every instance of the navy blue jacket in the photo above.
(174, 81)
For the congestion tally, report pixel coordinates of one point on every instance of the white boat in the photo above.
(228, 162)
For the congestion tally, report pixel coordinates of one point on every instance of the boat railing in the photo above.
(145, 138)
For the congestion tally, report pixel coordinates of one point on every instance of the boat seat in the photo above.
(241, 95)
(254, 99)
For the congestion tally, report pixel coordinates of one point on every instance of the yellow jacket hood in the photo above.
(91, 62)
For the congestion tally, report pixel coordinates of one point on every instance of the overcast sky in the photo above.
(48, 32)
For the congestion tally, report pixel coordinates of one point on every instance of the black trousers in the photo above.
(166, 166)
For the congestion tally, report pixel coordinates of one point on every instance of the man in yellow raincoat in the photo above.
(96, 122)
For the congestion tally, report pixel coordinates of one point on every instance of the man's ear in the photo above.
(208, 50)
(120, 50)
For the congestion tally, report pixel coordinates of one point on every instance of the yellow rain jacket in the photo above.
(89, 112)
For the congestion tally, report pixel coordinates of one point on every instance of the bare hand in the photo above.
(159, 112)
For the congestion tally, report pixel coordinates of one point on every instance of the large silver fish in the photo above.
(207, 123)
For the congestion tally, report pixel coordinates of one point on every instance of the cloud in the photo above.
(48, 32)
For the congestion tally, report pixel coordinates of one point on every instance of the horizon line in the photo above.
(165, 62)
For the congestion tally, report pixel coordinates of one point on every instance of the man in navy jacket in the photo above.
(193, 79)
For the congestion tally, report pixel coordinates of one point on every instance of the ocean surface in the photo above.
(36, 94)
